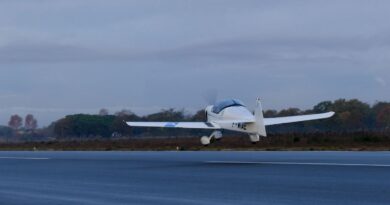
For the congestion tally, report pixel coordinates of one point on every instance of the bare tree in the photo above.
(124, 112)
(15, 122)
(30, 123)
(103, 112)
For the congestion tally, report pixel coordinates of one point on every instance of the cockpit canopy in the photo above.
(218, 107)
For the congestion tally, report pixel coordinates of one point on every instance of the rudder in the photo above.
(260, 119)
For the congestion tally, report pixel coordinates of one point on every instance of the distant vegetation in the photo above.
(352, 116)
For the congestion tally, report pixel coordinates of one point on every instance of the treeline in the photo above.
(114, 126)
(351, 116)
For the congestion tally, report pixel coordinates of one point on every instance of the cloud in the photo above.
(381, 81)
(46, 52)
(68, 56)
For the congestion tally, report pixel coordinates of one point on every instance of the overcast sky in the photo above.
(60, 57)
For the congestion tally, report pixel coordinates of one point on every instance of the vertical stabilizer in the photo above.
(260, 119)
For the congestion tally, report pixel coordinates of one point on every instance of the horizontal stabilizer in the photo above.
(299, 118)
(189, 125)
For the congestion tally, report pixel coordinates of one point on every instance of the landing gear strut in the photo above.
(216, 135)
(254, 138)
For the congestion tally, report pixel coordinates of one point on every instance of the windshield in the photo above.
(218, 107)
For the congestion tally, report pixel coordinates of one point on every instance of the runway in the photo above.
(194, 178)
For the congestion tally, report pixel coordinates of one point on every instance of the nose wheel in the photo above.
(206, 140)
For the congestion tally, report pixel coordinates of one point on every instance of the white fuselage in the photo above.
(227, 116)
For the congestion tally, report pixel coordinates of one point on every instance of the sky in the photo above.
(60, 57)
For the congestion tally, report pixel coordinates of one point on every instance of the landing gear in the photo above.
(216, 135)
(254, 138)
(205, 140)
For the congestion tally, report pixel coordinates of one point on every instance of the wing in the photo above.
(300, 118)
(189, 125)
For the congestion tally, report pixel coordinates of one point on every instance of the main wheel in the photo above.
(205, 140)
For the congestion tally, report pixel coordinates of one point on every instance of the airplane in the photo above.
(233, 115)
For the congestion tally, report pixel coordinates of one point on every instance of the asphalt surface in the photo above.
(194, 178)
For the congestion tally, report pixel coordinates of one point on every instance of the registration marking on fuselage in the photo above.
(299, 163)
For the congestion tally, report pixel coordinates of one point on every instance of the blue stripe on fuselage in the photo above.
(171, 124)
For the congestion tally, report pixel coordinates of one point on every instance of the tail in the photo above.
(260, 119)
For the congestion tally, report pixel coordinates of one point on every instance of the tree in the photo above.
(168, 115)
(103, 112)
(352, 114)
(124, 112)
(383, 117)
(82, 125)
(324, 106)
(15, 122)
(6, 132)
(270, 113)
(200, 116)
(289, 112)
(380, 112)
(30, 123)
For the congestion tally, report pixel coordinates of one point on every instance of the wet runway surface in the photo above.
(194, 178)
